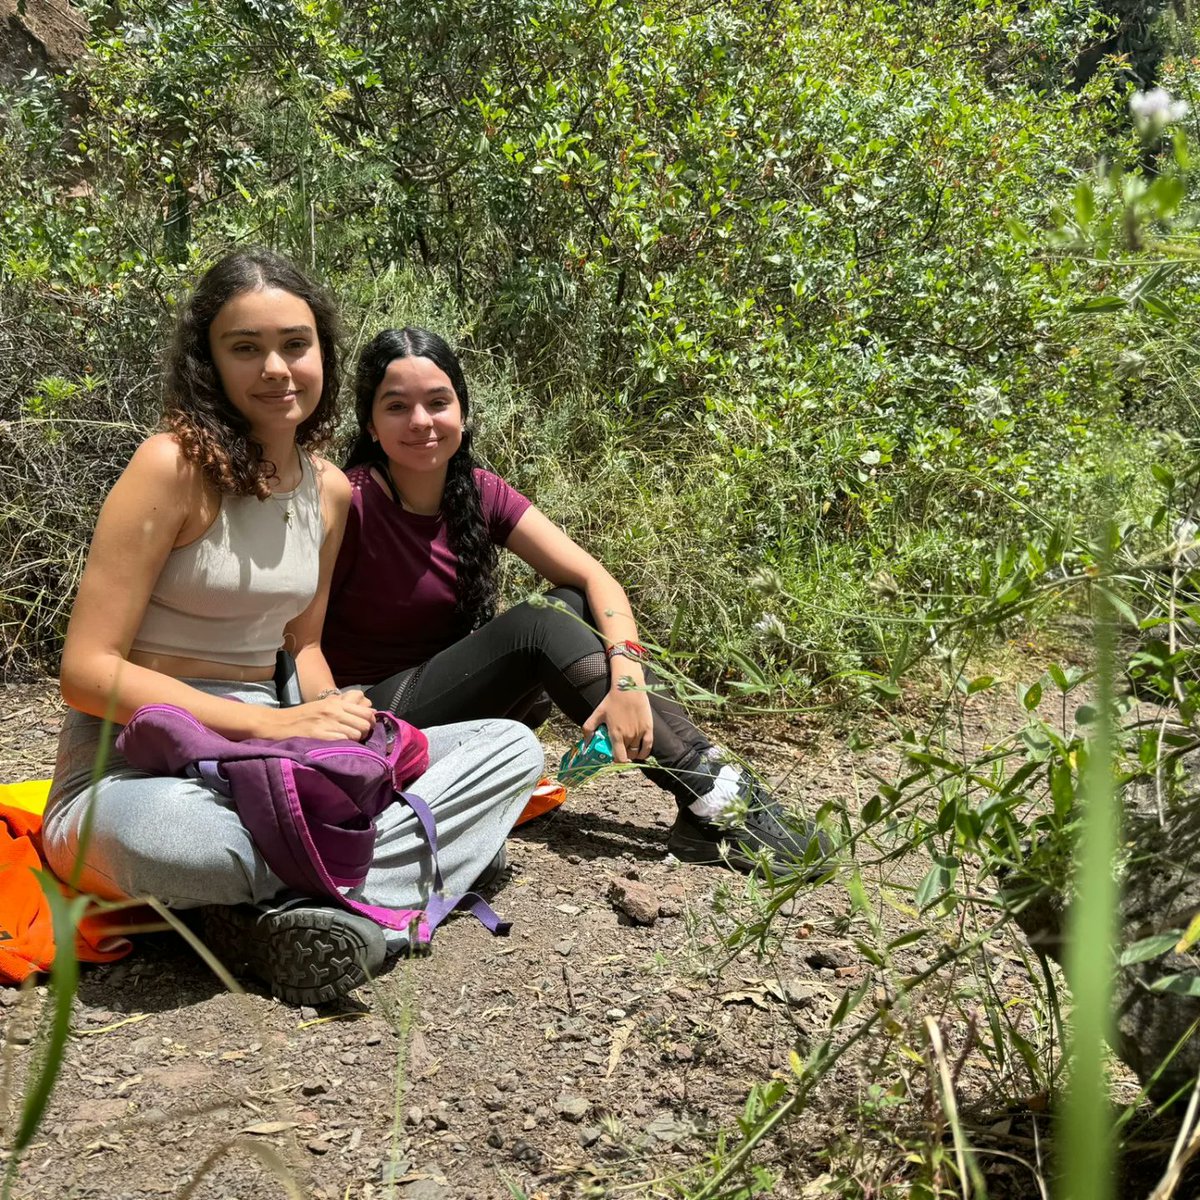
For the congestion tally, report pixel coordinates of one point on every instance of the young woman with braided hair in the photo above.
(412, 611)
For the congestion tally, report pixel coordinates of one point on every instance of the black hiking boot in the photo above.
(308, 953)
(756, 825)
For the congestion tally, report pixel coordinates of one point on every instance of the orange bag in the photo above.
(548, 794)
(26, 931)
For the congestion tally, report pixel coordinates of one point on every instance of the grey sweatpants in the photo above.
(180, 841)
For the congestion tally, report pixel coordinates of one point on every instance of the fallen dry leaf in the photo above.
(620, 1040)
(267, 1127)
(758, 998)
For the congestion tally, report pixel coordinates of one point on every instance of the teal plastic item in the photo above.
(585, 758)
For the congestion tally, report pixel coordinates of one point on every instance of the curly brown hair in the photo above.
(210, 431)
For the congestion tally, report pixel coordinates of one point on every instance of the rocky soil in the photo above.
(602, 1048)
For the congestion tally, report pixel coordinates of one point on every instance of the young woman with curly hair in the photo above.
(212, 552)
(412, 609)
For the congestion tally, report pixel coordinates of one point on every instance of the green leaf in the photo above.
(980, 684)
(869, 953)
(1178, 985)
(1157, 307)
(927, 759)
(1148, 948)
(1120, 604)
(849, 1002)
(749, 668)
(872, 810)
(1062, 790)
(937, 882)
(907, 939)
(65, 916)
(1018, 777)
(1100, 304)
(1085, 203)
(946, 815)
(1163, 475)
(1030, 696)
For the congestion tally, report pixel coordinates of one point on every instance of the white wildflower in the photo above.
(771, 628)
(766, 581)
(1130, 364)
(1154, 110)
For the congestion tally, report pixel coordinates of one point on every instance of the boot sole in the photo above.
(307, 956)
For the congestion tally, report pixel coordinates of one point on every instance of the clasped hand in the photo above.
(630, 724)
(344, 716)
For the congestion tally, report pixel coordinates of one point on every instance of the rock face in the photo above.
(49, 35)
(1161, 893)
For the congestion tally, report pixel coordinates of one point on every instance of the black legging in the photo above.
(501, 670)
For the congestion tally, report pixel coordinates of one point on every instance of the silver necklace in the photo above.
(285, 506)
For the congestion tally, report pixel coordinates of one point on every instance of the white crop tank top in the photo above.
(227, 596)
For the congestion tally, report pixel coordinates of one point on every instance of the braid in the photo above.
(478, 558)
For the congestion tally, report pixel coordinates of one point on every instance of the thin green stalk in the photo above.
(65, 916)
(1086, 1161)
(64, 980)
(398, 1009)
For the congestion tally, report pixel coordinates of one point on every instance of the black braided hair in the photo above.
(475, 600)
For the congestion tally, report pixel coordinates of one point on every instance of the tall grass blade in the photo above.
(64, 980)
(65, 915)
(1086, 1155)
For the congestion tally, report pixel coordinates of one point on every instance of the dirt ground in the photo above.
(584, 1055)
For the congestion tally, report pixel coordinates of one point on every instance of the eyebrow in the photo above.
(440, 390)
(229, 333)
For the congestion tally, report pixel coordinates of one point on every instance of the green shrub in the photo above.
(739, 287)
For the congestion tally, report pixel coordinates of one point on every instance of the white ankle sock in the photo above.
(723, 793)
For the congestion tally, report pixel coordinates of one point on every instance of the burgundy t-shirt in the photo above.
(391, 604)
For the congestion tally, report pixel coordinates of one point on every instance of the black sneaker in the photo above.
(309, 953)
(789, 844)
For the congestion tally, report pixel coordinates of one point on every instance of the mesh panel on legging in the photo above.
(592, 668)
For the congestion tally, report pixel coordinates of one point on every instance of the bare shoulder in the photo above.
(334, 489)
(331, 480)
(158, 466)
(160, 499)
(161, 456)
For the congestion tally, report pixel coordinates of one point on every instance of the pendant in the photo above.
(287, 515)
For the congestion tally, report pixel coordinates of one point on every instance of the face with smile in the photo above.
(416, 416)
(264, 346)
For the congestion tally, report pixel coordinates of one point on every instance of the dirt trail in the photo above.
(585, 1051)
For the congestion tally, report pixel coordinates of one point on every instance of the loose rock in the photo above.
(636, 900)
(571, 1108)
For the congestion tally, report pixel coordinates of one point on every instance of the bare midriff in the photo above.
(199, 668)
